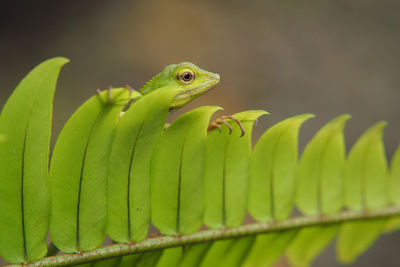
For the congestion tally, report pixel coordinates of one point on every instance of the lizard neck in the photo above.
(151, 85)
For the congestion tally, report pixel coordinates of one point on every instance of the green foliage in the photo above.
(170, 257)
(394, 181)
(366, 176)
(276, 244)
(355, 237)
(309, 242)
(216, 253)
(24, 198)
(236, 252)
(320, 171)
(226, 173)
(128, 186)
(319, 189)
(366, 187)
(193, 255)
(177, 172)
(273, 171)
(113, 173)
(79, 170)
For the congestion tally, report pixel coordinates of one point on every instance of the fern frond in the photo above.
(108, 172)
(204, 236)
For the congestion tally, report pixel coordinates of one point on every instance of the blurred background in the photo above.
(287, 57)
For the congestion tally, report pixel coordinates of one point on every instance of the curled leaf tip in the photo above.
(377, 128)
(381, 124)
(60, 60)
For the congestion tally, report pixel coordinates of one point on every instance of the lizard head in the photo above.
(193, 80)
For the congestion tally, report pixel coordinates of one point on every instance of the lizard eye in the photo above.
(186, 77)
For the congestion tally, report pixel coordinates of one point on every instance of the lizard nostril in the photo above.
(214, 76)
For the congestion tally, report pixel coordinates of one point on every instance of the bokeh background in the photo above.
(287, 57)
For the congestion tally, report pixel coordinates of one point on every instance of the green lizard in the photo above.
(193, 80)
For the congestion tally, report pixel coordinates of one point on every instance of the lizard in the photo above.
(193, 80)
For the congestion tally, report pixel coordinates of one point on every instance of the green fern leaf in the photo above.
(356, 237)
(268, 248)
(79, 170)
(237, 252)
(319, 189)
(24, 199)
(366, 175)
(193, 255)
(309, 243)
(191, 179)
(226, 173)
(176, 174)
(273, 171)
(320, 170)
(394, 181)
(366, 181)
(170, 257)
(128, 187)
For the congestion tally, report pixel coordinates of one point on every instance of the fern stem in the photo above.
(162, 242)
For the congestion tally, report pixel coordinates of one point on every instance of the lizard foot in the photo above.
(98, 91)
(110, 99)
(127, 86)
(217, 124)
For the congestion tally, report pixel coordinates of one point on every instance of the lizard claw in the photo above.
(224, 122)
(222, 119)
(238, 123)
(110, 94)
(214, 125)
(129, 88)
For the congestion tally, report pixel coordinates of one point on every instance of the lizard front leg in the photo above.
(130, 89)
(110, 98)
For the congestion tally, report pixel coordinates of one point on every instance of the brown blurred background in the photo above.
(287, 57)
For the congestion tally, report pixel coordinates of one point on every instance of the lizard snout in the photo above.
(214, 76)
